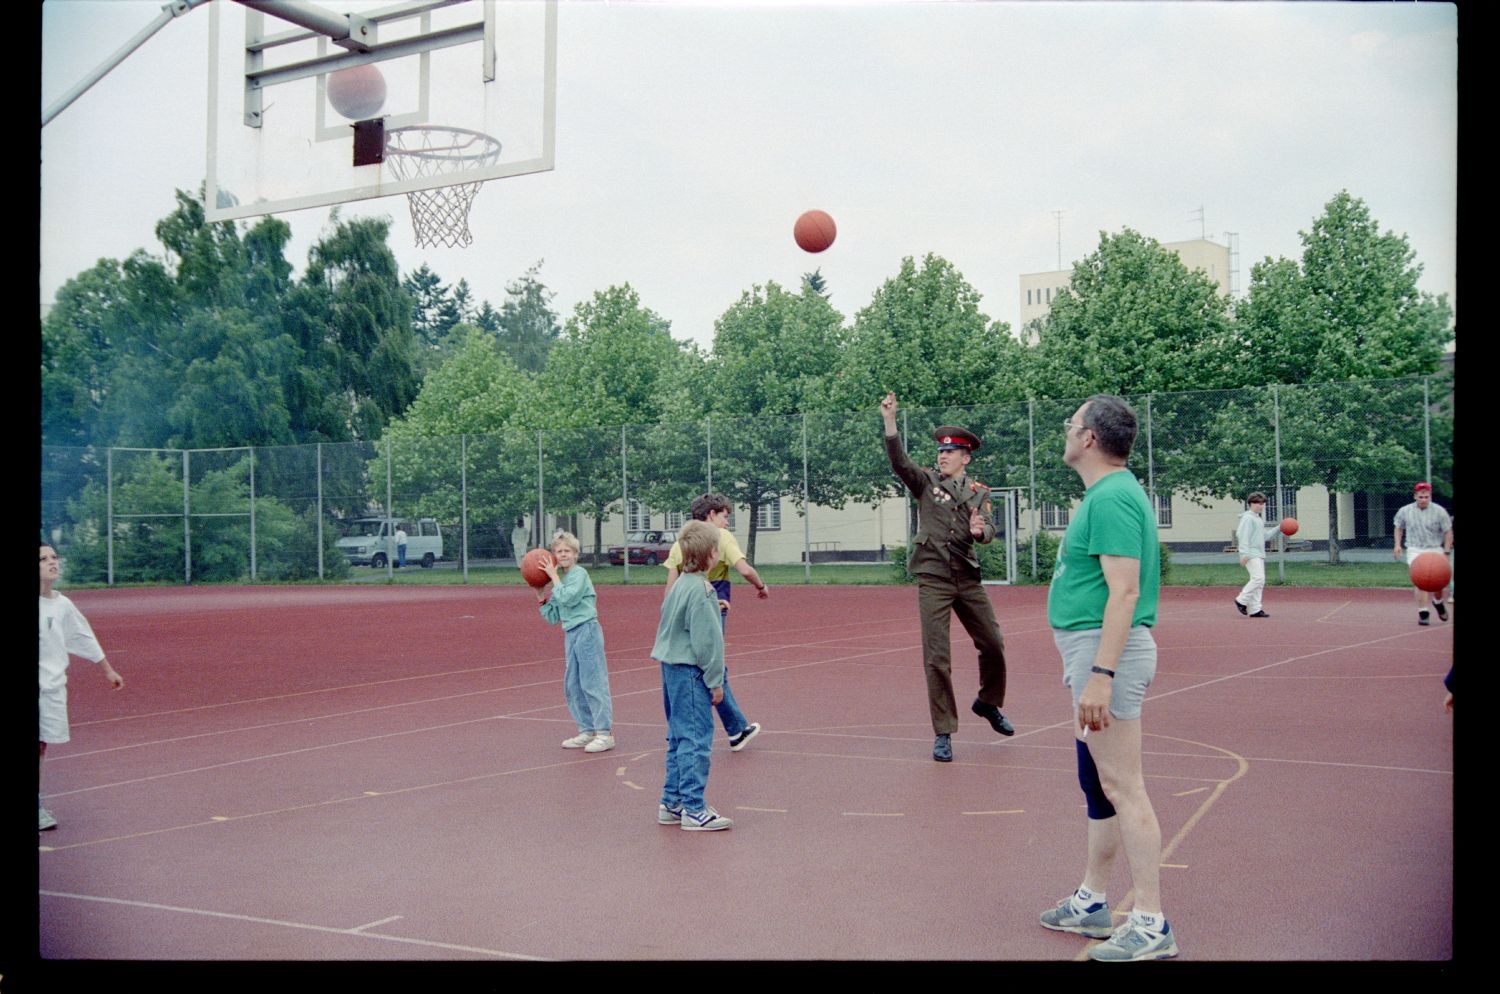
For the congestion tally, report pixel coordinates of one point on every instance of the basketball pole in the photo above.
(170, 12)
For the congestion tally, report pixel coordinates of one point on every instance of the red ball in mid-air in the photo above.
(1288, 526)
(531, 567)
(1430, 572)
(814, 231)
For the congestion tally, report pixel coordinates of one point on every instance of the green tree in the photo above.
(1134, 319)
(774, 354)
(462, 422)
(527, 325)
(1352, 310)
(615, 365)
(352, 322)
(923, 336)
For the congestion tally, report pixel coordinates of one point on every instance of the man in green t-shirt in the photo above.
(1102, 606)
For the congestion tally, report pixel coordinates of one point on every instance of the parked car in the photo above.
(646, 548)
(371, 541)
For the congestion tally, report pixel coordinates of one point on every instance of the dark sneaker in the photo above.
(1094, 921)
(992, 714)
(1422, 618)
(1130, 942)
(942, 749)
(1440, 609)
(1240, 607)
(1260, 614)
(738, 742)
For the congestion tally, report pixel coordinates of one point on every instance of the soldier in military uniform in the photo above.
(953, 512)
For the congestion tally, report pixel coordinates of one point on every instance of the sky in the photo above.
(1001, 136)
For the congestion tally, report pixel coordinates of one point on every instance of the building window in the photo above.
(1028, 298)
(1049, 295)
(1054, 516)
(768, 515)
(637, 517)
(674, 520)
(1164, 510)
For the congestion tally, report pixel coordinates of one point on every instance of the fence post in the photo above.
(806, 510)
(390, 517)
(1280, 494)
(109, 515)
(1427, 427)
(1031, 496)
(320, 509)
(463, 502)
(625, 502)
(252, 514)
(541, 539)
(1151, 460)
(708, 434)
(910, 529)
(187, 528)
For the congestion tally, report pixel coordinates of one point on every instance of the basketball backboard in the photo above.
(470, 95)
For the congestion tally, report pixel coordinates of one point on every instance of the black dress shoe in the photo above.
(1241, 607)
(942, 749)
(992, 714)
(1260, 614)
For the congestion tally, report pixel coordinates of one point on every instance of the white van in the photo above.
(372, 542)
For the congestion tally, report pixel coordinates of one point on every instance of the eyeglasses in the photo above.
(1068, 427)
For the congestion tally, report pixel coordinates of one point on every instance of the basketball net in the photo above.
(440, 216)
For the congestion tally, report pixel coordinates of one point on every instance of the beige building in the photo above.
(1038, 290)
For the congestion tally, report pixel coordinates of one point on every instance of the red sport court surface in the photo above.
(338, 773)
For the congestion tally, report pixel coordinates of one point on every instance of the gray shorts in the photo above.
(1133, 672)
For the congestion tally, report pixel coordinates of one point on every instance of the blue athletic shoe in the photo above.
(942, 749)
(1130, 942)
(1095, 921)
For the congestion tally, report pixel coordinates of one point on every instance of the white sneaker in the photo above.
(601, 743)
(44, 820)
(707, 820)
(578, 741)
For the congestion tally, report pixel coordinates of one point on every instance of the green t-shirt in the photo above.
(1114, 519)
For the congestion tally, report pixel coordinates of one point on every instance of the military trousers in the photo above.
(939, 597)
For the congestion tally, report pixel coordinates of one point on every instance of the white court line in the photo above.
(254, 920)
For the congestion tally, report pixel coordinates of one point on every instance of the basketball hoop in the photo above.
(441, 215)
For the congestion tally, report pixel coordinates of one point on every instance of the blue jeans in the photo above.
(400, 555)
(586, 678)
(690, 735)
(730, 714)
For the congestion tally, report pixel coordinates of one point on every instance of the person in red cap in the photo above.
(1423, 526)
(953, 512)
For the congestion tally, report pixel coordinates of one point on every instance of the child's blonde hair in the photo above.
(566, 538)
(697, 540)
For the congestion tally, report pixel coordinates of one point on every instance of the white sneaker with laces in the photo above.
(578, 741)
(601, 743)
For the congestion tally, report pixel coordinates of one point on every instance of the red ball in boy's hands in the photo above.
(531, 567)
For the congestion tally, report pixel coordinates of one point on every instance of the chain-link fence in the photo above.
(1341, 458)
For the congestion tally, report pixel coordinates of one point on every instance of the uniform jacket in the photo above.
(943, 538)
